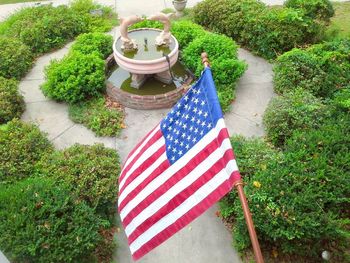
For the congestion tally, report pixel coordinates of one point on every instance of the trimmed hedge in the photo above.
(11, 102)
(21, 147)
(95, 115)
(15, 58)
(90, 171)
(185, 32)
(342, 99)
(297, 110)
(315, 9)
(74, 78)
(42, 221)
(322, 69)
(93, 42)
(303, 195)
(225, 65)
(266, 30)
(45, 27)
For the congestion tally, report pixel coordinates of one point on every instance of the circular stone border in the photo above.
(143, 102)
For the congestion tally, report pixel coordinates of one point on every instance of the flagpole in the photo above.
(247, 215)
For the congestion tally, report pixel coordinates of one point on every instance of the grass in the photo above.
(340, 23)
(4, 2)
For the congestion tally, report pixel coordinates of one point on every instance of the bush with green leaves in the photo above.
(95, 115)
(42, 221)
(252, 155)
(93, 42)
(186, 31)
(11, 102)
(304, 196)
(15, 58)
(74, 78)
(266, 31)
(342, 99)
(147, 24)
(321, 69)
(90, 171)
(43, 28)
(315, 9)
(293, 111)
(226, 67)
(21, 147)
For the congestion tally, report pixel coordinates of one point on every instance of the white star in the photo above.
(184, 126)
(198, 121)
(171, 119)
(203, 123)
(174, 150)
(186, 98)
(195, 110)
(205, 114)
(177, 122)
(201, 133)
(200, 112)
(181, 144)
(194, 140)
(169, 128)
(169, 147)
(178, 105)
(164, 125)
(193, 119)
(194, 91)
(168, 136)
(187, 146)
(183, 135)
(180, 152)
(196, 101)
(176, 141)
(177, 113)
(198, 91)
(186, 116)
(191, 128)
(209, 125)
(189, 137)
(202, 103)
(171, 138)
(177, 132)
(186, 106)
(196, 130)
(173, 158)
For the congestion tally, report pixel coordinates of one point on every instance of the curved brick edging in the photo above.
(146, 102)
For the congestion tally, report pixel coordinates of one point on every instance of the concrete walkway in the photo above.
(205, 240)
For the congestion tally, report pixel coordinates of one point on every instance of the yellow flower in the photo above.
(257, 184)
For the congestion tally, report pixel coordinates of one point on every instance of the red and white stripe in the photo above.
(157, 199)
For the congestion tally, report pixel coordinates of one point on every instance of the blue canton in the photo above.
(195, 114)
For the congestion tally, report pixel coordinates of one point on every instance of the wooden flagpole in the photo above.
(247, 215)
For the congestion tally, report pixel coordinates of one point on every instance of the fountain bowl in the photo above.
(145, 66)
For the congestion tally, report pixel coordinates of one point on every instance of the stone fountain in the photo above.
(161, 55)
(147, 59)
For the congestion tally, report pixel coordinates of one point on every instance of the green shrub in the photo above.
(147, 24)
(267, 31)
(304, 197)
(97, 117)
(226, 68)
(41, 221)
(94, 42)
(93, 16)
(11, 102)
(296, 110)
(74, 78)
(21, 146)
(186, 31)
(315, 9)
(321, 69)
(342, 98)
(43, 28)
(15, 58)
(91, 172)
(252, 155)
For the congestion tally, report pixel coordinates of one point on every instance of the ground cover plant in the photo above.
(11, 102)
(267, 31)
(95, 115)
(339, 26)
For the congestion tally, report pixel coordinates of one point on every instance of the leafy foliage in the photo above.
(75, 77)
(93, 42)
(41, 221)
(321, 69)
(96, 116)
(147, 24)
(226, 68)
(185, 32)
(91, 172)
(15, 58)
(342, 98)
(267, 31)
(21, 146)
(43, 28)
(315, 9)
(304, 195)
(11, 102)
(296, 110)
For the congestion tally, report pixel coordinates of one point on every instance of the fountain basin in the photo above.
(150, 62)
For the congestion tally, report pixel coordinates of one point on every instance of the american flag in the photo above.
(180, 169)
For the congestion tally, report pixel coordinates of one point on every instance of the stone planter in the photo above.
(179, 6)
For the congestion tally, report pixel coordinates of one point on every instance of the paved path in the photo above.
(205, 240)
